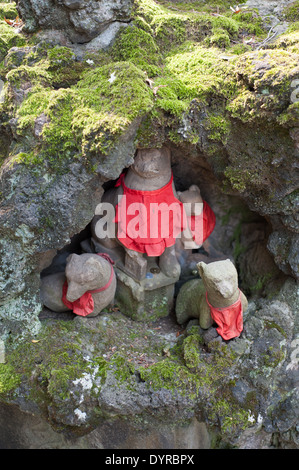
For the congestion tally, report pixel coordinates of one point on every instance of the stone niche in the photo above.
(153, 417)
(240, 234)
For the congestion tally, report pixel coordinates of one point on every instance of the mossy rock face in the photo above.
(8, 38)
(267, 78)
(78, 123)
(82, 372)
(291, 12)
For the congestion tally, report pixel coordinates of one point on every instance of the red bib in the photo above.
(149, 221)
(82, 306)
(202, 225)
(160, 219)
(228, 319)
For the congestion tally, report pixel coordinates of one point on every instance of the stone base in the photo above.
(146, 300)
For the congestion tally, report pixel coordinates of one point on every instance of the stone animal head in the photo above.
(219, 278)
(84, 272)
(190, 198)
(150, 163)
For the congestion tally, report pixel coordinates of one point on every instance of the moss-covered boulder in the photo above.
(9, 36)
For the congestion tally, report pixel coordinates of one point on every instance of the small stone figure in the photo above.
(86, 287)
(195, 244)
(215, 298)
(200, 217)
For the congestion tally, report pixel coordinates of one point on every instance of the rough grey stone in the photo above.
(20, 430)
(68, 200)
(285, 249)
(80, 21)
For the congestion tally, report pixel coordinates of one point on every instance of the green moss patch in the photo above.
(166, 374)
(139, 47)
(9, 37)
(105, 94)
(86, 119)
(200, 69)
(8, 10)
(9, 379)
(52, 66)
(291, 12)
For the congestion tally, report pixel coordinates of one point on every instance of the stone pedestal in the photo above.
(147, 300)
(141, 300)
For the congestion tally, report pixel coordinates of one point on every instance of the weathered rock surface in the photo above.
(24, 431)
(90, 376)
(22, 227)
(80, 21)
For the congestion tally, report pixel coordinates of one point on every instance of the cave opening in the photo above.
(240, 234)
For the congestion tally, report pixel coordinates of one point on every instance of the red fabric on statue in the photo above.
(149, 232)
(202, 225)
(154, 232)
(229, 319)
(82, 306)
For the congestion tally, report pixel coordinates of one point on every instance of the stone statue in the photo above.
(195, 243)
(215, 298)
(200, 218)
(148, 182)
(86, 287)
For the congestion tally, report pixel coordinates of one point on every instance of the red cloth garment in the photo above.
(202, 225)
(229, 319)
(149, 221)
(82, 306)
(85, 304)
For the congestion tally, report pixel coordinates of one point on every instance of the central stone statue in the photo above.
(149, 214)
